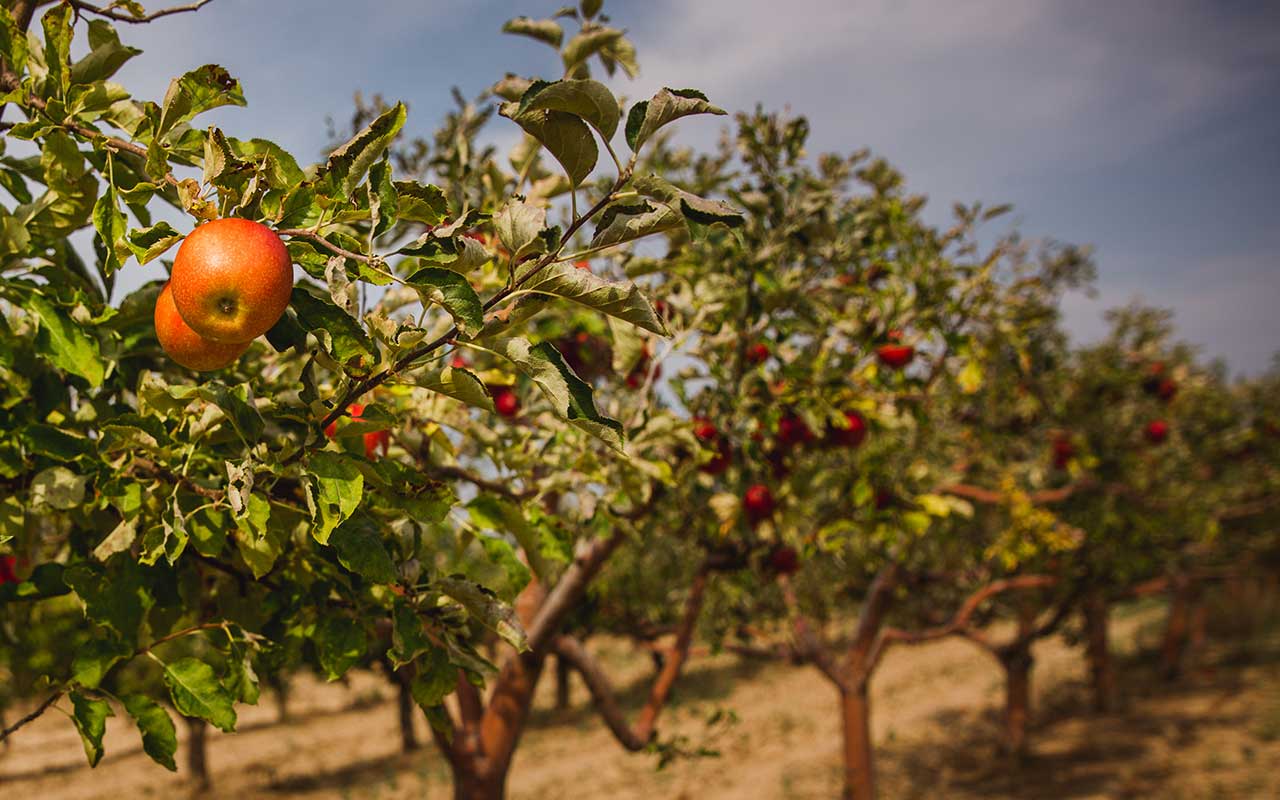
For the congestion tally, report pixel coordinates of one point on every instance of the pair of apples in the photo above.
(230, 283)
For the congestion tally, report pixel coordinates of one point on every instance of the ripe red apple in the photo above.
(758, 353)
(586, 265)
(784, 560)
(505, 401)
(709, 434)
(852, 435)
(885, 498)
(1157, 431)
(757, 501)
(792, 430)
(459, 361)
(894, 354)
(232, 279)
(636, 377)
(1063, 451)
(373, 440)
(8, 570)
(187, 347)
(1166, 389)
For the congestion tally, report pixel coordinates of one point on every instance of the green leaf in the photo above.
(150, 243)
(58, 487)
(496, 514)
(90, 717)
(57, 50)
(95, 658)
(199, 90)
(13, 42)
(55, 443)
(586, 44)
(334, 491)
(260, 541)
(434, 679)
(207, 529)
(625, 222)
(106, 54)
(512, 87)
(348, 165)
(121, 538)
(587, 99)
(421, 203)
(571, 398)
(340, 336)
(453, 293)
(519, 226)
(358, 542)
(691, 207)
(383, 199)
(460, 384)
(111, 226)
(65, 343)
(547, 31)
(340, 644)
(622, 300)
(668, 105)
(486, 609)
(116, 599)
(564, 135)
(408, 639)
(196, 692)
(159, 738)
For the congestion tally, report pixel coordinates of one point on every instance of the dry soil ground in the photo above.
(1215, 734)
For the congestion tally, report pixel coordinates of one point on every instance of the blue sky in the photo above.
(1149, 129)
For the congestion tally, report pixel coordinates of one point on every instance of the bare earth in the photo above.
(1215, 734)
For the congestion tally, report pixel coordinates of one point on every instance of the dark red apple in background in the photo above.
(505, 401)
(758, 353)
(784, 560)
(373, 440)
(8, 570)
(758, 502)
(850, 436)
(1157, 431)
(1063, 451)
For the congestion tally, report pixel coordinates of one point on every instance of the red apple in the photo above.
(1063, 451)
(1157, 431)
(374, 441)
(757, 501)
(8, 570)
(852, 434)
(895, 356)
(231, 279)
(758, 353)
(792, 430)
(784, 560)
(505, 401)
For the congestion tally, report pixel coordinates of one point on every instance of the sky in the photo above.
(1148, 129)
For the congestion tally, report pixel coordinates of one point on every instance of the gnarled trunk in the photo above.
(407, 708)
(1017, 664)
(859, 761)
(1102, 679)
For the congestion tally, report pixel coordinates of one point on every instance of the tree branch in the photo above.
(34, 715)
(110, 13)
(637, 737)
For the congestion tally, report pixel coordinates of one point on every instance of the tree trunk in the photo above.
(280, 686)
(1177, 631)
(197, 763)
(562, 685)
(1102, 677)
(473, 784)
(1017, 703)
(408, 709)
(859, 768)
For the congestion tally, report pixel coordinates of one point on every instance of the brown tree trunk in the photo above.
(470, 783)
(197, 763)
(1017, 664)
(563, 674)
(1102, 679)
(407, 708)
(1177, 631)
(859, 763)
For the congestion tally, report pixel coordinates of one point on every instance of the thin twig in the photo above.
(111, 13)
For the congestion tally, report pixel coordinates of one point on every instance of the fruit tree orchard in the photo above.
(480, 425)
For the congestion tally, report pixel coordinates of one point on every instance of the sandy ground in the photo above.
(1215, 734)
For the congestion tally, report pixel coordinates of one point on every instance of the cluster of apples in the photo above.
(230, 283)
(1160, 385)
